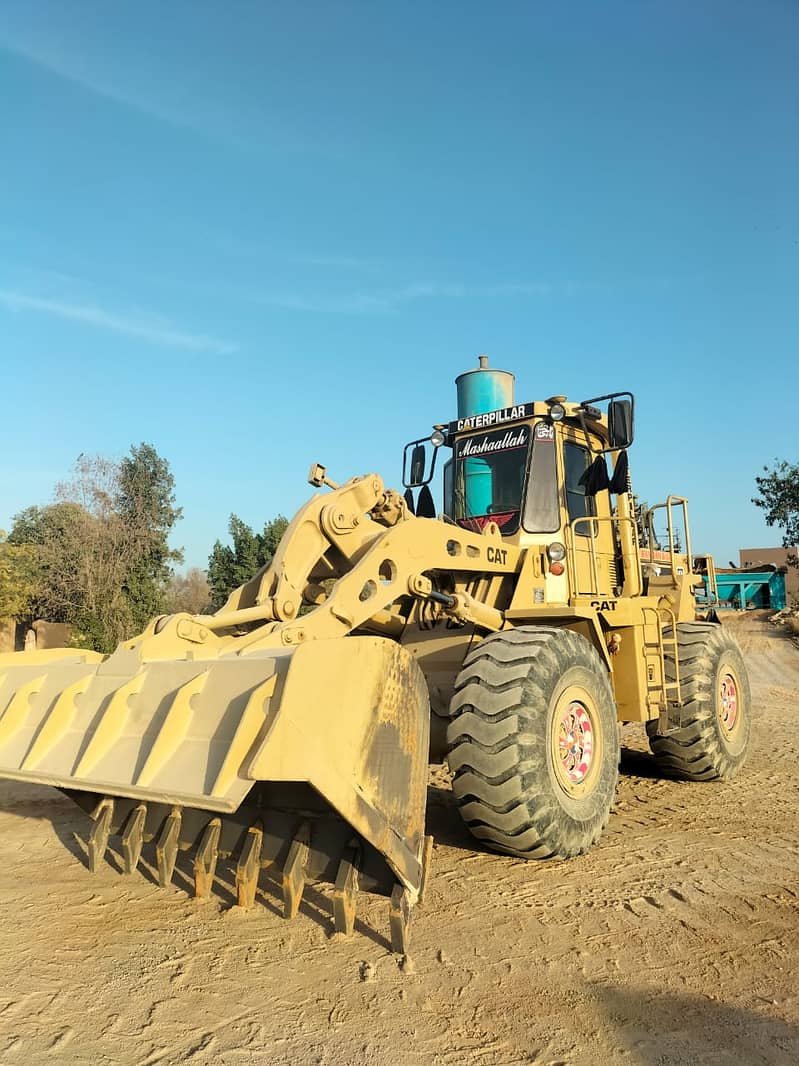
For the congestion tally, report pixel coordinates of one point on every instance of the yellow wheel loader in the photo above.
(511, 634)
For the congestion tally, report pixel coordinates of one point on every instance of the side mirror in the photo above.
(620, 415)
(418, 465)
(620, 423)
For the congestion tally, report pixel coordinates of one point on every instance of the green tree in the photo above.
(36, 524)
(54, 537)
(101, 550)
(145, 501)
(232, 566)
(271, 538)
(778, 490)
(19, 580)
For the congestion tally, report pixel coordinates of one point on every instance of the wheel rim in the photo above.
(575, 744)
(728, 702)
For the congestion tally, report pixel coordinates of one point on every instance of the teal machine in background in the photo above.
(762, 586)
(479, 391)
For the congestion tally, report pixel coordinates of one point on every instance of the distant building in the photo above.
(750, 558)
(19, 636)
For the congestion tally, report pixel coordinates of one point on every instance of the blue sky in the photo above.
(260, 235)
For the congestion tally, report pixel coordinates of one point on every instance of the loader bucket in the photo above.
(311, 760)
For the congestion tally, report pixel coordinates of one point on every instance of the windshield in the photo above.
(489, 478)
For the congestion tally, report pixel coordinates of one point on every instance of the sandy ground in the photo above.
(675, 941)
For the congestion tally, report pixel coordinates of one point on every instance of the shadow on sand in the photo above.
(667, 1029)
(71, 826)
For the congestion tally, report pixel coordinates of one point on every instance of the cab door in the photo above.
(590, 539)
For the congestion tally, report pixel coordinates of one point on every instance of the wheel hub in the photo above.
(575, 742)
(728, 695)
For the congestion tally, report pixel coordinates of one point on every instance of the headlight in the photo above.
(557, 412)
(437, 438)
(556, 551)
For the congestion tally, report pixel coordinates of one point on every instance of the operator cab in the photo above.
(504, 465)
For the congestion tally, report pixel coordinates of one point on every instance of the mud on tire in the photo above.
(533, 742)
(716, 709)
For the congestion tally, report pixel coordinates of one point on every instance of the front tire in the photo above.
(533, 742)
(716, 706)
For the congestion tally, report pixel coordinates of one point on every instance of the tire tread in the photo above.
(499, 761)
(695, 751)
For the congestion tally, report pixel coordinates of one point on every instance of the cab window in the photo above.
(577, 459)
(489, 473)
(542, 505)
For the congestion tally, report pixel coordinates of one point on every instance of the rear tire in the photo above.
(716, 708)
(533, 742)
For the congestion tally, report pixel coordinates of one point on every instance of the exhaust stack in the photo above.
(484, 389)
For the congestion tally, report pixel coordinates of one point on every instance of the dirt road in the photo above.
(674, 941)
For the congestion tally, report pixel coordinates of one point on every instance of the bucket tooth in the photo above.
(206, 858)
(400, 919)
(133, 838)
(344, 891)
(98, 840)
(248, 868)
(294, 871)
(166, 850)
(427, 858)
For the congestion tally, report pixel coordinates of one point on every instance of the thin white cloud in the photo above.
(62, 67)
(149, 328)
(348, 304)
(138, 88)
(383, 301)
(529, 288)
(419, 290)
(335, 262)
